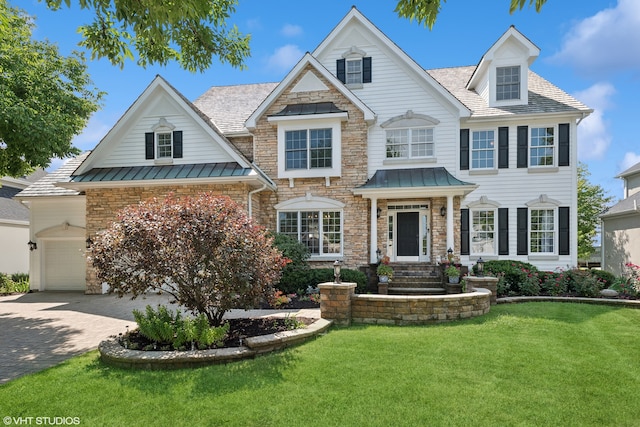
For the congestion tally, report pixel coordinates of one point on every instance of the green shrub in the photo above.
(295, 275)
(517, 277)
(16, 283)
(168, 329)
(605, 277)
(624, 286)
(322, 275)
(585, 284)
(554, 283)
(20, 277)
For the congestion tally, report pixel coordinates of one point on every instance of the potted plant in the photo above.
(384, 270)
(453, 273)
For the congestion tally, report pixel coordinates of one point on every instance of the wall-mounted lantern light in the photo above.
(450, 255)
(379, 212)
(88, 242)
(32, 245)
(443, 211)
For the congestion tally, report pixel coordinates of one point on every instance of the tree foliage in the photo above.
(592, 201)
(425, 12)
(204, 251)
(190, 32)
(45, 99)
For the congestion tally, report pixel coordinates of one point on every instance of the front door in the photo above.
(409, 238)
(408, 235)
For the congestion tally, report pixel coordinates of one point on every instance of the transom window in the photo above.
(483, 232)
(308, 149)
(542, 231)
(354, 71)
(409, 143)
(164, 145)
(542, 146)
(320, 230)
(483, 148)
(507, 83)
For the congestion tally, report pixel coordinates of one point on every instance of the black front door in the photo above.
(408, 230)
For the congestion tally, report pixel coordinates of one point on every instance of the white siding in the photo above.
(14, 252)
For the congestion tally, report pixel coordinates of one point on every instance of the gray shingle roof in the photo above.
(229, 106)
(12, 209)
(544, 97)
(46, 186)
(624, 206)
(631, 171)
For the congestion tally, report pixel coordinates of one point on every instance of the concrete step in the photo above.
(416, 291)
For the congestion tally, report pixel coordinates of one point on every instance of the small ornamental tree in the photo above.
(204, 251)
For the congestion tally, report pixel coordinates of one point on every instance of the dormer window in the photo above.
(507, 83)
(354, 68)
(164, 143)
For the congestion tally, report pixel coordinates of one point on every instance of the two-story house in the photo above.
(621, 226)
(358, 152)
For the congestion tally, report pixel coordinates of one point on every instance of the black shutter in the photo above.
(563, 231)
(177, 144)
(503, 147)
(503, 231)
(149, 143)
(563, 144)
(523, 146)
(366, 69)
(464, 149)
(523, 241)
(340, 70)
(464, 231)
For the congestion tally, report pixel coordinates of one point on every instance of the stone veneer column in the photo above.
(490, 283)
(335, 302)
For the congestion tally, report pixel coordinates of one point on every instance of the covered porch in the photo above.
(414, 214)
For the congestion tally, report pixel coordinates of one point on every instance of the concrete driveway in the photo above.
(41, 329)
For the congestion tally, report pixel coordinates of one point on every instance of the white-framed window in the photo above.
(164, 145)
(542, 146)
(353, 71)
(308, 149)
(507, 83)
(483, 232)
(483, 149)
(320, 230)
(542, 231)
(410, 143)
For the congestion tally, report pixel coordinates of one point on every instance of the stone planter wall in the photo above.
(339, 303)
(490, 283)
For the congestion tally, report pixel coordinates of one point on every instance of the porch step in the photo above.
(416, 291)
(416, 279)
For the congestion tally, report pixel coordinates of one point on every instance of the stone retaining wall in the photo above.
(418, 309)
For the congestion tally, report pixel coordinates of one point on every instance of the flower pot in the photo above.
(453, 279)
(454, 288)
(383, 279)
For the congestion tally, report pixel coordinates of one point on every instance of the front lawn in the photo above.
(525, 364)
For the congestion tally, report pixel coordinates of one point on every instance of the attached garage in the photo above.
(64, 265)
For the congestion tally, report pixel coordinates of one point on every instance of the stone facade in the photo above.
(103, 205)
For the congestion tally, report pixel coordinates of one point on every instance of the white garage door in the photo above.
(64, 265)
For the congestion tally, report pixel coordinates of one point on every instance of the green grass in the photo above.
(531, 364)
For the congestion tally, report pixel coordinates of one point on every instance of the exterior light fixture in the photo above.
(379, 212)
(378, 254)
(480, 269)
(443, 211)
(88, 242)
(32, 245)
(450, 255)
(336, 271)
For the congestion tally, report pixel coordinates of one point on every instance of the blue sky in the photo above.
(589, 49)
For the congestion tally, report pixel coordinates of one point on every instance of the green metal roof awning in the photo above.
(163, 172)
(411, 182)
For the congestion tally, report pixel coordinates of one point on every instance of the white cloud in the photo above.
(606, 42)
(290, 30)
(92, 134)
(284, 58)
(594, 133)
(629, 160)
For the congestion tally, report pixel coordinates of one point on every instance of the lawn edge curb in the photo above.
(112, 352)
(581, 300)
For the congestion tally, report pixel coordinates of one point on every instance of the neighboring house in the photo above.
(357, 152)
(621, 226)
(14, 224)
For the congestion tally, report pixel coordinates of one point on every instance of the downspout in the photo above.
(250, 204)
